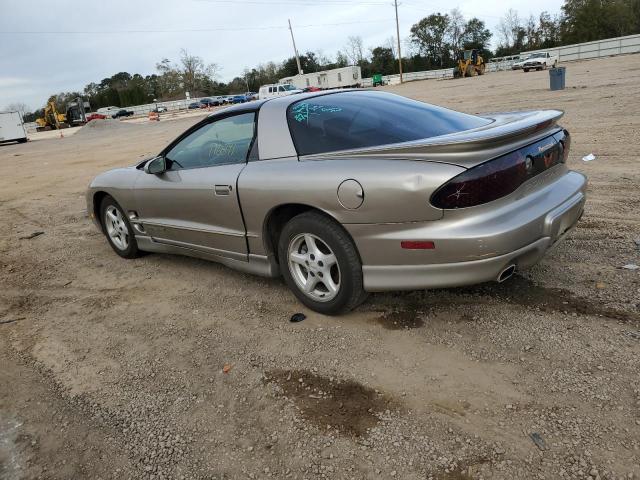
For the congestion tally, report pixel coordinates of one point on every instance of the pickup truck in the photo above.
(540, 61)
(122, 113)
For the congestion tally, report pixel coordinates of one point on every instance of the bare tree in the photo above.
(18, 107)
(509, 27)
(195, 72)
(354, 50)
(322, 59)
(456, 30)
(391, 44)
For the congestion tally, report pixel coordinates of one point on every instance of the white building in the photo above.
(336, 78)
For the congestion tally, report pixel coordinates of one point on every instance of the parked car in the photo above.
(122, 113)
(312, 89)
(209, 102)
(159, 109)
(270, 91)
(95, 116)
(251, 96)
(518, 64)
(540, 61)
(350, 192)
(194, 105)
(108, 110)
(239, 99)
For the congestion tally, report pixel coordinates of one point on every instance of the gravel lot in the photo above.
(168, 367)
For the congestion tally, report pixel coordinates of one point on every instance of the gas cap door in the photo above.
(350, 194)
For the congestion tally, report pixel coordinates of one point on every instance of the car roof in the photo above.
(284, 101)
(239, 107)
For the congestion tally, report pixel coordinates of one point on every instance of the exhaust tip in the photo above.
(506, 273)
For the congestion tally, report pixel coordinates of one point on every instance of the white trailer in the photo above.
(335, 78)
(12, 127)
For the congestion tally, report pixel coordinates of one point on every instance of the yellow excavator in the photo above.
(469, 65)
(52, 119)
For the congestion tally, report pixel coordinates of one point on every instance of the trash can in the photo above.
(556, 78)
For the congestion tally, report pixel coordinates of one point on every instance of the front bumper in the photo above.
(471, 247)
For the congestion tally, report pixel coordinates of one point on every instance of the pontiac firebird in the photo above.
(345, 193)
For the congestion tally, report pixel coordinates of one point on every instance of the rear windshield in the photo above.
(348, 120)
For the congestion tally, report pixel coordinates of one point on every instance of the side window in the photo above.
(220, 142)
(281, 88)
(270, 89)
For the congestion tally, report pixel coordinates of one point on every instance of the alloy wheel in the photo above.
(116, 227)
(314, 267)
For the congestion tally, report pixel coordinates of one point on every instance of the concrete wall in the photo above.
(567, 53)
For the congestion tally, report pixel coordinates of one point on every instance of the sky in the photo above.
(52, 46)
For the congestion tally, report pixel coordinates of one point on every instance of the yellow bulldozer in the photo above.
(52, 119)
(469, 65)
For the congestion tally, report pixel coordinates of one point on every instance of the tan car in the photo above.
(344, 193)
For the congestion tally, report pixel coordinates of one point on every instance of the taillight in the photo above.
(565, 140)
(501, 176)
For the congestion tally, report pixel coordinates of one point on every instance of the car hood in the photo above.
(123, 177)
(505, 132)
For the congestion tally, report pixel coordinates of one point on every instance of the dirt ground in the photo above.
(112, 368)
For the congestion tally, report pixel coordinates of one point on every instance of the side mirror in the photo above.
(156, 166)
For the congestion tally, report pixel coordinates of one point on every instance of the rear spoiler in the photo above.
(505, 132)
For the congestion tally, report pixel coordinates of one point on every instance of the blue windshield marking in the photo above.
(301, 111)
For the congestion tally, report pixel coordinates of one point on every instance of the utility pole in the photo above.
(294, 48)
(398, 32)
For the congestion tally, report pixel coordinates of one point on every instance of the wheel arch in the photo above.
(278, 217)
(98, 197)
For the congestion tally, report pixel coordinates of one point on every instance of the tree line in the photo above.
(436, 41)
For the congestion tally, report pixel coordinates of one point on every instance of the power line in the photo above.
(186, 30)
(310, 3)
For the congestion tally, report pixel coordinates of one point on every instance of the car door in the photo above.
(194, 203)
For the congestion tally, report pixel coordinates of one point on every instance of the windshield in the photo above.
(288, 87)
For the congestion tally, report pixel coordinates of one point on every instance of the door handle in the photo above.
(222, 189)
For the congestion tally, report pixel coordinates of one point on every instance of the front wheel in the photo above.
(118, 229)
(320, 264)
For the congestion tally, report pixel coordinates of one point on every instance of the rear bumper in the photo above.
(442, 275)
(471, 247)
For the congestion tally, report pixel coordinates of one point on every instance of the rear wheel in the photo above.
(320, 264)
(525, 70)
(118, 229)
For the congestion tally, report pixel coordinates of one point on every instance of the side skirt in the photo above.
(264, 266)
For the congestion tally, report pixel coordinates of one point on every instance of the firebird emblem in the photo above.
(545, 147)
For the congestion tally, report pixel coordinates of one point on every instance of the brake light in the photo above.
(499, 177)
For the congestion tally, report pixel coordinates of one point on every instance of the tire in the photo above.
(525, 70)
(116, 227)
(312, 238)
